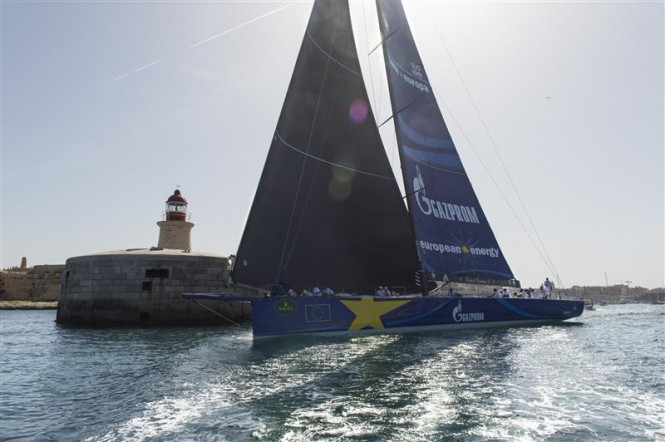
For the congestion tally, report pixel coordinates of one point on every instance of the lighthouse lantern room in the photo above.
(176, 207)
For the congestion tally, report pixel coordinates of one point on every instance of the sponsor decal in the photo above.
(417, 70)
(441, 209)
(450, 212)
(459, 316)
(419, 84)
(317, 313)
(492, 252)
(285, 307)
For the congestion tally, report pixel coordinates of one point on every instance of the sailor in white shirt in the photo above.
(549, 286)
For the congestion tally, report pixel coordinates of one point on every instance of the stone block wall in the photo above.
(145, 289)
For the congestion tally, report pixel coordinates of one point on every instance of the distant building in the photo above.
(38, 283)
(144, 285)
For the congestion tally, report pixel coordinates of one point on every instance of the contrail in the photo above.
(152, 63)
(127, 74)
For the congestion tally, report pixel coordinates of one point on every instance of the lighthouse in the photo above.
(175, 230)
(145, 285)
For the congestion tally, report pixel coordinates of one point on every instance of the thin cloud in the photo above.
(192, 46)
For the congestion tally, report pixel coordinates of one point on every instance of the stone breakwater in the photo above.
(28, 305)
(145, 287)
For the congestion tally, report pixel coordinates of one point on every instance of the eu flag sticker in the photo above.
(317, 313)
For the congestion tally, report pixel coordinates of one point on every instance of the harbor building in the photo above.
(145, 285)
(40, 283)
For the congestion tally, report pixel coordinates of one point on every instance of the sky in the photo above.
(107, 106)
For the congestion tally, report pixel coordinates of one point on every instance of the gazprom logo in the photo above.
(441, 209)
(459, 316)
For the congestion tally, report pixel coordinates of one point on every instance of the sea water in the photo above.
(599, 378)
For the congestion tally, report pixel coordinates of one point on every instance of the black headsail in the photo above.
(327, 208)
(453, 237)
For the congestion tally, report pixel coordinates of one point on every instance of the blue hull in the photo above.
(276, 316)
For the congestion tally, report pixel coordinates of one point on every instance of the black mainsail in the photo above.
(327, 209)
(453, 237)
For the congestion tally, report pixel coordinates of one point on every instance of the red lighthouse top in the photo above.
(176, 207)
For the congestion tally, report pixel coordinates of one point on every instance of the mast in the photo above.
(454, 240)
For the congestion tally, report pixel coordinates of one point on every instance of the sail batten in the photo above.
(331, 57)
(341, 166)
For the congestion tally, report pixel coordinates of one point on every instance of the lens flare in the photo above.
(358, 111)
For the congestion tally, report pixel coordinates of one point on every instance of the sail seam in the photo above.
(330, 56)
(330, 162)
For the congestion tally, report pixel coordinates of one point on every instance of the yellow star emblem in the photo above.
(465, 249)
(368, 312)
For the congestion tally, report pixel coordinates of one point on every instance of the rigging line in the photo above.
(398, 112)
(384, 122)
(406, 195)
(383, 41)
(392, 158)
(369, 61)
(496, 184)
(301, 218)
(309, 141)
(489, 135)
(377, 105)
(489, 174)
(330, 162)
(380, 95)
(213, 311)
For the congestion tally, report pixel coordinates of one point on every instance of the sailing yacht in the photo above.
(328, 209)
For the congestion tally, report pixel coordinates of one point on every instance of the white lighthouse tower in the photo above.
(175, 230)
